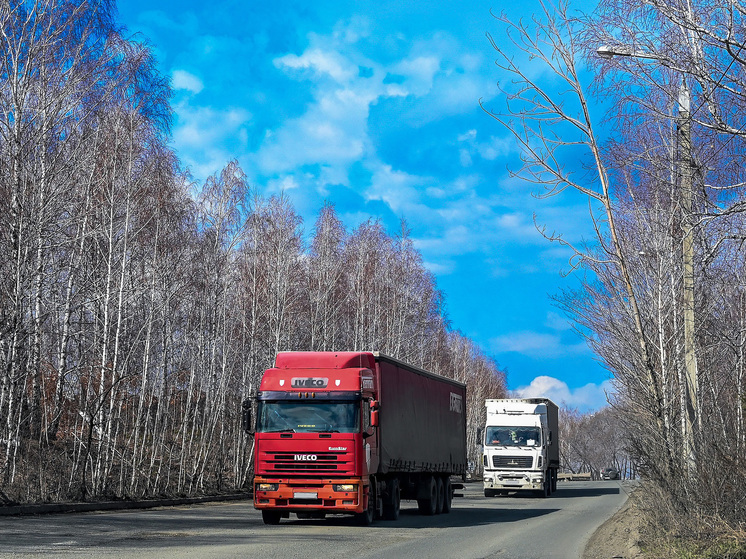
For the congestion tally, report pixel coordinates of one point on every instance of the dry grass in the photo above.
(646, 528)
(666, 533)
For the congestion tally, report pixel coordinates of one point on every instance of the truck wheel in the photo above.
(427, 506)
(366, 517)
(271, 516)
(441, 495)
(489, 493)
(448, 491)
(392, 506)
(544, 491)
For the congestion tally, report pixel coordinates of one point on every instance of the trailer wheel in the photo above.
(448, 491)
(271, 517)
(366, 517)
(392, 505)
(428, 505)
(441, 495)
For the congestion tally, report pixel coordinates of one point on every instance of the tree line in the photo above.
(662, 301)
(138, 309)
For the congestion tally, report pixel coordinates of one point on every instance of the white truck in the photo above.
(521, 446)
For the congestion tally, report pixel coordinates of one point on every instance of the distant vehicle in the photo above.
(521, 446)
(609, 473)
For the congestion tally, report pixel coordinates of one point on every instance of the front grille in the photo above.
(321, 463)
(517, 462)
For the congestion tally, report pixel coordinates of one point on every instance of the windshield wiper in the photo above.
(281, 431)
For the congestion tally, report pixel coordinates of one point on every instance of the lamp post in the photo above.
(684, 132)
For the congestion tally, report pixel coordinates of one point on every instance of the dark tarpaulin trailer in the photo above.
(422, 420)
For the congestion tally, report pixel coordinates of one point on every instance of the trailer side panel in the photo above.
(422, 421)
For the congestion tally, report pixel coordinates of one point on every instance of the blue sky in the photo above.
(374, 106)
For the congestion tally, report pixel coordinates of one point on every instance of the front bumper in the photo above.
(310, 495)
(513, 481)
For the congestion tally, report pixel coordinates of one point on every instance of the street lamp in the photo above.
(684, 122)
(605, 51)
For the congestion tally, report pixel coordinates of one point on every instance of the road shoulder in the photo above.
(56, 508)
(618, 537)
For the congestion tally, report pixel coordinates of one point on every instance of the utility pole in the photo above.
(686, 167)
(687, 225)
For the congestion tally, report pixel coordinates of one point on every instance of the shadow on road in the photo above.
(567, 492)
(457, 518)
(581, 491)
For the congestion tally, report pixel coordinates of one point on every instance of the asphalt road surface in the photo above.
(515, 527)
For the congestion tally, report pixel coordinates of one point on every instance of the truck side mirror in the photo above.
(374, 405)
(479, 436)
(246, 416)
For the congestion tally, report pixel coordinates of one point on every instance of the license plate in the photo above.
(512, 482)
(303, 495)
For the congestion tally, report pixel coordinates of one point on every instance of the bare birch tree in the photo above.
(666, 196)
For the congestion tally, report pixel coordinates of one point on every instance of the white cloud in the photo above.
(399, 190)
(200, 137)
(440, 268)
(471, 135)
(333, 129)
(586, 398)
(182, 79)
(558, 322)
(548, 345)
(200, 127)
(283, 184)
(455, 240)
(489, 149)
(320, 62)
(419, 72)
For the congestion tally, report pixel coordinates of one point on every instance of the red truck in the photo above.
(354, 433)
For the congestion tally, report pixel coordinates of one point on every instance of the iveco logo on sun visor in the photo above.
(309, 382)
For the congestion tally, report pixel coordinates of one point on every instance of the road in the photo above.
(518, 527)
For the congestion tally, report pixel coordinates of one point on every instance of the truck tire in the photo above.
(392, 505)
(427, 506)
(490, 492)
(441, 495)
(448, 491)
(271, 517)
(544, 491)
(366, 517)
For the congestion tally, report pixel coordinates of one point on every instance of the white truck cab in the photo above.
(521, 446)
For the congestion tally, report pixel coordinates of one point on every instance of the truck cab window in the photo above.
(513, 436)
(307, 416)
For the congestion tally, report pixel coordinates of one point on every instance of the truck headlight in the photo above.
(267, 486)
(348, 487)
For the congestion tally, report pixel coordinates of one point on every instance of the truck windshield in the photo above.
(513, 436)
(308, 416)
